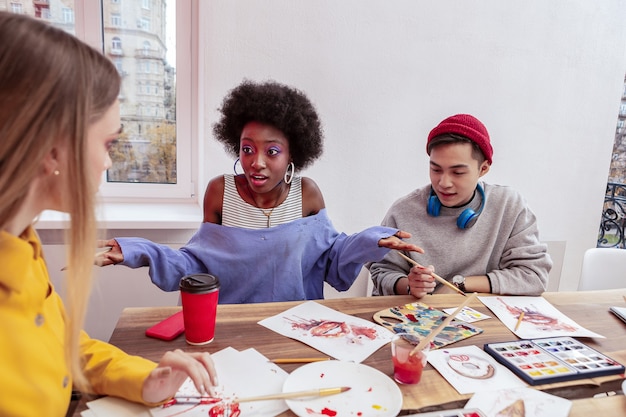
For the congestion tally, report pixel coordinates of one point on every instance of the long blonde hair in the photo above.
(52, 87)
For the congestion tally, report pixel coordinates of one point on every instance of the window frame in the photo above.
(89, 27)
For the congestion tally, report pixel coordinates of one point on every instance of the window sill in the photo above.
(136, 216)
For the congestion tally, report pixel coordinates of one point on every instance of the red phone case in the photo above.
(168, 329)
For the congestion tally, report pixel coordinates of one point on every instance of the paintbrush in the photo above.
(437, 277)
(98, 254)
(320, 392)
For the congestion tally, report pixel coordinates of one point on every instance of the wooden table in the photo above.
(237, 327)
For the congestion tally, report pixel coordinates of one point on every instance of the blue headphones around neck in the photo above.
(467, 218)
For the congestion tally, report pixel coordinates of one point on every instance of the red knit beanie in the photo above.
(464, 125)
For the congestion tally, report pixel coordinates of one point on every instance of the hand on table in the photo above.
(110, 257)
(173, 369)
(396, 242)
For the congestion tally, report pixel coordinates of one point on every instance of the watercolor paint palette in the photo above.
(420, 319)
(556, 359)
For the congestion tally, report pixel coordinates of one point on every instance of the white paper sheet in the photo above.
(536, 403)
(467, 314)
(541, 319)
(469, 369)
(339, 335)
(241, 374)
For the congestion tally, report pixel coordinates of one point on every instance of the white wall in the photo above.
(545, 77)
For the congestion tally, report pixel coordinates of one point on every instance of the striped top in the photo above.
(238, 213)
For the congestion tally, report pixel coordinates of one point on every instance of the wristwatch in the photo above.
(459, 281)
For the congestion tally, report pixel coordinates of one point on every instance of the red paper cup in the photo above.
(199, 294)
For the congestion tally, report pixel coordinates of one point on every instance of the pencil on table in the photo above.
(519, 321)
(437, 277)
(299, 360)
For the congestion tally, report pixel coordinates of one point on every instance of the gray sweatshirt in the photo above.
(503, 243)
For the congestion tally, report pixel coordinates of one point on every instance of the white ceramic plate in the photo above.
(372, 393)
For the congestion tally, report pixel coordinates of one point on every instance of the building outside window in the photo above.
(138, 41)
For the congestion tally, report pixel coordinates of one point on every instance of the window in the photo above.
(154, 158)
(116, 20)
(148, 158)
(17, 8)
(116, 47)
(68, 15)
(119, 66)
(144, 24)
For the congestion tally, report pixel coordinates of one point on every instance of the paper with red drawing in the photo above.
(541, 319)
(336, 334)
(241, 374)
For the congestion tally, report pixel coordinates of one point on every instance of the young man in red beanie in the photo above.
(481, 237)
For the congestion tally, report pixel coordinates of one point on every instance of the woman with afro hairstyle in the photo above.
(265, 234)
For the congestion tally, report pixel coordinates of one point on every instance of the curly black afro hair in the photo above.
(281, 106)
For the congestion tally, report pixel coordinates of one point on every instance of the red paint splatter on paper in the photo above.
(220, 410)
(323, 412)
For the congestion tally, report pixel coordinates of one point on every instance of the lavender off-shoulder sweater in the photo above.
(282, 263)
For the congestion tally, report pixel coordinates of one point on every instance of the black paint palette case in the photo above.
(555, 359)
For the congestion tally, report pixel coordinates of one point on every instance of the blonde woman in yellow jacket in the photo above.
(59, 116)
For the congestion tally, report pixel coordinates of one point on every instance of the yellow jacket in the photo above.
(34, 376)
